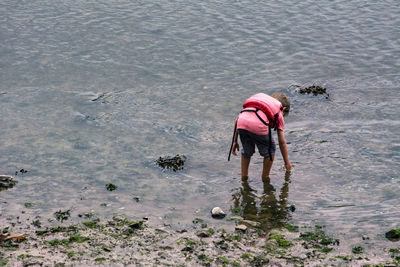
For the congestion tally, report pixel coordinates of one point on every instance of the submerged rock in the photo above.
(217, 213)
(7, 182)
(175, 163)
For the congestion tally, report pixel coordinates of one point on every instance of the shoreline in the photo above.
(121, 241)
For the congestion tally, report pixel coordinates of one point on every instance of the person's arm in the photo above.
(283, 148)
(235, 145)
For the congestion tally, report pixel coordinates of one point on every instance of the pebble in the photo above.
(241, 227)
(217, 213)
(236, 218)
(252, 223)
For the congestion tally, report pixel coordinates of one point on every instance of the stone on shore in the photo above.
(217, 213)
(241, 227)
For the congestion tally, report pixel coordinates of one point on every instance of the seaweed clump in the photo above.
(314, 89)
(175, 163)
(111, 187)
(6, 182)
(62, 215)
(318, 239)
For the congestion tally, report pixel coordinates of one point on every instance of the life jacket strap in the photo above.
(266, 124)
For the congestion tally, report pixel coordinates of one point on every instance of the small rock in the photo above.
(188, 249)
(217, 213)
(197, 220)
(251, 223)
(236, 218)
(203, 234)
(364, 237)
(162, 231)
(241, 227)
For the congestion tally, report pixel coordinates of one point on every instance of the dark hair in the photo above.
(284, 101)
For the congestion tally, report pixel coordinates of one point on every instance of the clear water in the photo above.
(94, 92)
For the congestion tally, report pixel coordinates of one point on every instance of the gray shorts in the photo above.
(250, 140)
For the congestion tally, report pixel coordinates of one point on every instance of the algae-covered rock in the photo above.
(393, 235)
(7, 182)
(175, 163)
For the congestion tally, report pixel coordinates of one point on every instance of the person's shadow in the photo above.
(266, 210)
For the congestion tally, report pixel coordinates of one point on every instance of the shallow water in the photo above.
(94, 92)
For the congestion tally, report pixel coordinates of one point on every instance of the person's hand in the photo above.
(288, 166)
(234, 148)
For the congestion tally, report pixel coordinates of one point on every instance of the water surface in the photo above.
(94, 92)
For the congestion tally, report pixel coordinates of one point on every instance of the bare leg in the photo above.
(245, 167)
(267, 168)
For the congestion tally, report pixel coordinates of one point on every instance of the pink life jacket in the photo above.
(267, 104)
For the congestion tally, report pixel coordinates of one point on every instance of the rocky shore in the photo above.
(121, 241)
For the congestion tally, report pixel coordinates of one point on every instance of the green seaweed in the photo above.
(57, 229)
(75, 238)
(62, 215)
(291, 228)
(92, 224)
(246, 256)
(318, 239)
(29, 205)
(280, 239)
(211, 231)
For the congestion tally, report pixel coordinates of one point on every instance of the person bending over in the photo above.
(261, 113)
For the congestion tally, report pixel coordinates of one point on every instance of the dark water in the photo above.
(93, 92)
